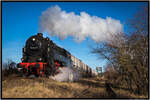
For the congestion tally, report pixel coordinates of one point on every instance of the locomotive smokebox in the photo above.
(40, 34)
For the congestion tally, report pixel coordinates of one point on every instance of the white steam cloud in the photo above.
(67, 74)
(60, 23)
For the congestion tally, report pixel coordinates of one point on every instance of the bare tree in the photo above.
(128, 54)
(9, 68)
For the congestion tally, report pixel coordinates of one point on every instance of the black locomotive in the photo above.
(42, 57)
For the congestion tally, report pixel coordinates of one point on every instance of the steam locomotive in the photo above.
(42, 57)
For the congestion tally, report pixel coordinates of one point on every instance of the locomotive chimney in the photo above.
(40, 34)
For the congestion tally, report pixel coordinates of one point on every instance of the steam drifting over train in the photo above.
(42, 57)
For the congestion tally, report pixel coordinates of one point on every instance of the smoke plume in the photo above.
(67, 74)
(62, 24)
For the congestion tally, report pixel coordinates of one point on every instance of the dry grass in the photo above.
(14, 87)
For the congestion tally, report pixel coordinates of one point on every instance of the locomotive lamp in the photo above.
(40, 59)
(22, 59)
(33, 39)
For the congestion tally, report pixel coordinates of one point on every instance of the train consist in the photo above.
(42, 57)
(85, 69)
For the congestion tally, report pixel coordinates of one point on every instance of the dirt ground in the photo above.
(19, 87)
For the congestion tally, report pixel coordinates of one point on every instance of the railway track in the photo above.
(83, 92)
(108, 88)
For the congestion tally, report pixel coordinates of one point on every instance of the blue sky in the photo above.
(20, 21)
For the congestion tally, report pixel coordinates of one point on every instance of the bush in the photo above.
(8, 69)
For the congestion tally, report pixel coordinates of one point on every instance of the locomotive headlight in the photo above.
(40, 59)
(22, 59)
(33, 39)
